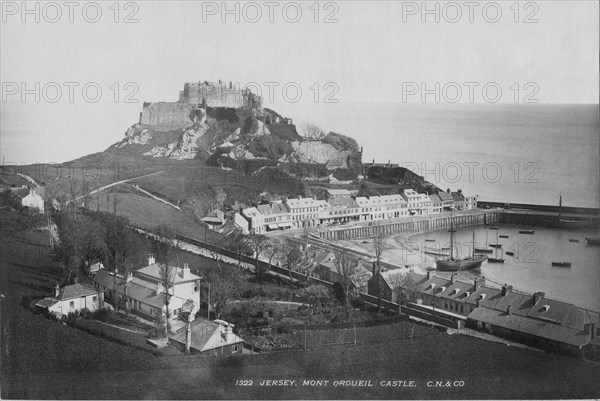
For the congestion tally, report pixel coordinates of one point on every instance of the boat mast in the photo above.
(496, 247)
(473, 246)
(559, 204)
(451, 238)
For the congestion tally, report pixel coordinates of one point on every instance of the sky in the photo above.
(74, 78)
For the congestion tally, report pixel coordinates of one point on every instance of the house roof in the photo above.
(76, 291)
(138, 289)
(301, 202)
(273, 208)
(47, 302)
(527, 325)
(389, 275)
(458, 196)
(251, 212)
(206, 335)
(435, 198)
(445, 196)
(154, 272)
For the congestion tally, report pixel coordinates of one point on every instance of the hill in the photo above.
(206, 150)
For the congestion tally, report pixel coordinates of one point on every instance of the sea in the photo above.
(527, 153)
(529, 269)
(513, 153)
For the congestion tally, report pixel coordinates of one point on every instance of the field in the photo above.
(44, 359)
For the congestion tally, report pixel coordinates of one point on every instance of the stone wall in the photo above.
(213, 94)
(168, 115)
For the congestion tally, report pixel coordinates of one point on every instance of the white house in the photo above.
(305, 211)
(255, 219)
(73, 298)
(414, 202)
(144, 291)
(30, 199)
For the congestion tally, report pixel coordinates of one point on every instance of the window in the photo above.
(215, 352)
(94, 298)
(195, 286)
(234, 348)
(72, 304)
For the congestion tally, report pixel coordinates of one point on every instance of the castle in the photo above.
(210, 94)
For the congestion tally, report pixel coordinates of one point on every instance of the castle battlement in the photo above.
(218, 94)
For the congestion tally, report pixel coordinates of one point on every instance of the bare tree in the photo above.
(259, 244)
(346, 267)
(292, 256)
(312, 131)
(272, 251)
(224, 286)
(400, 284)
(166, 253)
(379, 246)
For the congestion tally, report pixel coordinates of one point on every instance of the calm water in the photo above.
(530, 269)
(510, 153)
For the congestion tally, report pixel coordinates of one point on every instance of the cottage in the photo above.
(30, 199)
(143, 291)
(215, 218)
(208, 338)
(72, 298)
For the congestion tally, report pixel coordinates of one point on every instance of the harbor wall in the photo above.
(541, 219)
(411, 225)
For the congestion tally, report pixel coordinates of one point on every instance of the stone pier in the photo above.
(410, 225)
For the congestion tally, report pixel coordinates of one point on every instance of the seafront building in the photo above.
(345, 207)
(531, 319)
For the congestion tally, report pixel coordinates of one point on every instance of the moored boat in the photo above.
(482, 250)
(494, 228)
(496, 245)
(510, 253)
(526, 231)
(593, 240)
(504, 236)
(561, 263)
(496, 259)
(452, 264)
(573, 240)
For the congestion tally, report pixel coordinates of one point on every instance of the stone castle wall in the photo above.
(168, 114)
(213, 94)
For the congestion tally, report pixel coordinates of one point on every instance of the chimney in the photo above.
(151, 260)
(374, 264)
(506, 289)
(537, 297)
(299, 197)
(56, 290)
(159, 288)
(185, 273)
(452, 279)
(508, 308)
(129, 277)
(593, 331)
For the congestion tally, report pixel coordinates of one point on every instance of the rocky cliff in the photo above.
(184, 131)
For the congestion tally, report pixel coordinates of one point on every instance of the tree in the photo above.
(312, 130)
(315, 293)
(166, 253)
(93, 246)
(293, 256)
(399, 282)
(259, 244)
(236, 241)
(379, 246)
(346, 267)
(224, 286)
(272, 251)
(69, 246)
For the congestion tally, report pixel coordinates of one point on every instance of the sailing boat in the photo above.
(452, 264)
(565, 223)
(483, 250)
(496, 259)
